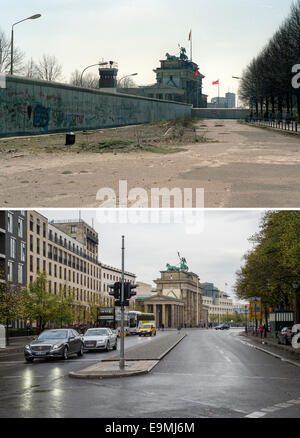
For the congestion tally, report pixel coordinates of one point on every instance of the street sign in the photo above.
(255, 308)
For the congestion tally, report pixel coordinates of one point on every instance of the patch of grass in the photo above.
(67, 172)
(107, 146)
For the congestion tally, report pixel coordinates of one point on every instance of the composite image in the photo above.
(150, 213)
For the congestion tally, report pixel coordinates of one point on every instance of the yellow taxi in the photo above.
(147, 330)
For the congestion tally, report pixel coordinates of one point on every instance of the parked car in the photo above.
(285, 336)
(222, 327)
(54, 343)
(100, 339)
(147, 330)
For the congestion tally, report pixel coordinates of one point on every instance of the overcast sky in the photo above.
(227, 34)
(215, 254)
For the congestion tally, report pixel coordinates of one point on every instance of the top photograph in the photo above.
(161, 104)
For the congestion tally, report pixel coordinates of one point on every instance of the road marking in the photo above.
(272, 409)
(283, 405)
(256, 415)
(294, 401)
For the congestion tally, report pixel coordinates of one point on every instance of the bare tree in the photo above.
(5, 55)
(89, 80)
(49, 69)
(30, 69)
(127, 83)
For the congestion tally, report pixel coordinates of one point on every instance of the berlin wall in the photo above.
(30, 106)
(220, 113)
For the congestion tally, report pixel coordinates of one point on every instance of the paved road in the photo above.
(209, 374)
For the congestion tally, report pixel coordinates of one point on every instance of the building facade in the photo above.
(218, 303)
(177, 302)
(177, 79)
(111, 275)
(13, 247)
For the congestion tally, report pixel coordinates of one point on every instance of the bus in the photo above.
(111, 317)
(136, 319)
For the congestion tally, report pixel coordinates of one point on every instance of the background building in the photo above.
(110, 275)
(13, 250)
(229, 101)
(177, 79)
(177, 301)
(218, 302)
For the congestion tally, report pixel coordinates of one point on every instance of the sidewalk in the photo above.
(269, 345)
(139, 360)
(16, 345)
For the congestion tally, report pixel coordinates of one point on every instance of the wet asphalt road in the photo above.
(209, 374)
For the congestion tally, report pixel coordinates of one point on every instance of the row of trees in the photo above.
(272, 267)
(267, 82)
(35, 303)
(237, 318)
(48, 68)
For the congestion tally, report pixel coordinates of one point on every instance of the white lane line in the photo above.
(272, 409)
(256, 415)
(283, 405)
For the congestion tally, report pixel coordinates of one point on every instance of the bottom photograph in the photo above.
(106, 316)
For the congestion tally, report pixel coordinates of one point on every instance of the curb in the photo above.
(112, 376)
(77, 375)
(275, 355)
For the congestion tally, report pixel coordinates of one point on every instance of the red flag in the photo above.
(216, 82)
(196, 74)
(190, 35)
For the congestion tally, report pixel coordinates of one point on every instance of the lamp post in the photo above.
(33, 17)
(238, 78)
(89, 66)
(296, 285)
(127, 76)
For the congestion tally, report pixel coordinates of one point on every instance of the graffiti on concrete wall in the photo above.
(26, 108)
(41, 116)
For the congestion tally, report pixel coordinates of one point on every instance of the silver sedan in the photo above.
(100, 339)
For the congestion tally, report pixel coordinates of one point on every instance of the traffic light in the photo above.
(115, 290)
(128, 293)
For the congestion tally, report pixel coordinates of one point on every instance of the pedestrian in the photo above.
(163, 327)
(265, 327)
(260, 329)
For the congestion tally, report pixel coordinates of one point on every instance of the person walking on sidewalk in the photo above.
(265, 327)
(260, 329)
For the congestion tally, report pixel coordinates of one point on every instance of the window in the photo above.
(50, 268)
(9, 222)
(20, 273)
(37, 264)
(23, 251)
(73, 229)
(31, 222)
(10, 271)
(38, 245)
(20, 227)
(38, 226)
(12, 247)
(31, 263)
(44, 229)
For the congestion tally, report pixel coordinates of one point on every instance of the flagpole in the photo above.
(191, 46)
(218, 92)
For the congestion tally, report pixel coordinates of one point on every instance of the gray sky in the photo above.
(215, 254)
(227, 34)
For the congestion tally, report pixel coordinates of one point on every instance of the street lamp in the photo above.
(238, 78)
(33, 17)
(93, 65)
(127, 76)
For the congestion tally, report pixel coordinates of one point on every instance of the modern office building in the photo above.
(218, 302)
(229, 101)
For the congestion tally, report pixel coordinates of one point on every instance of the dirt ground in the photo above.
(237, 165)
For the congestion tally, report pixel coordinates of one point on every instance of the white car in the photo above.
(100, 339)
